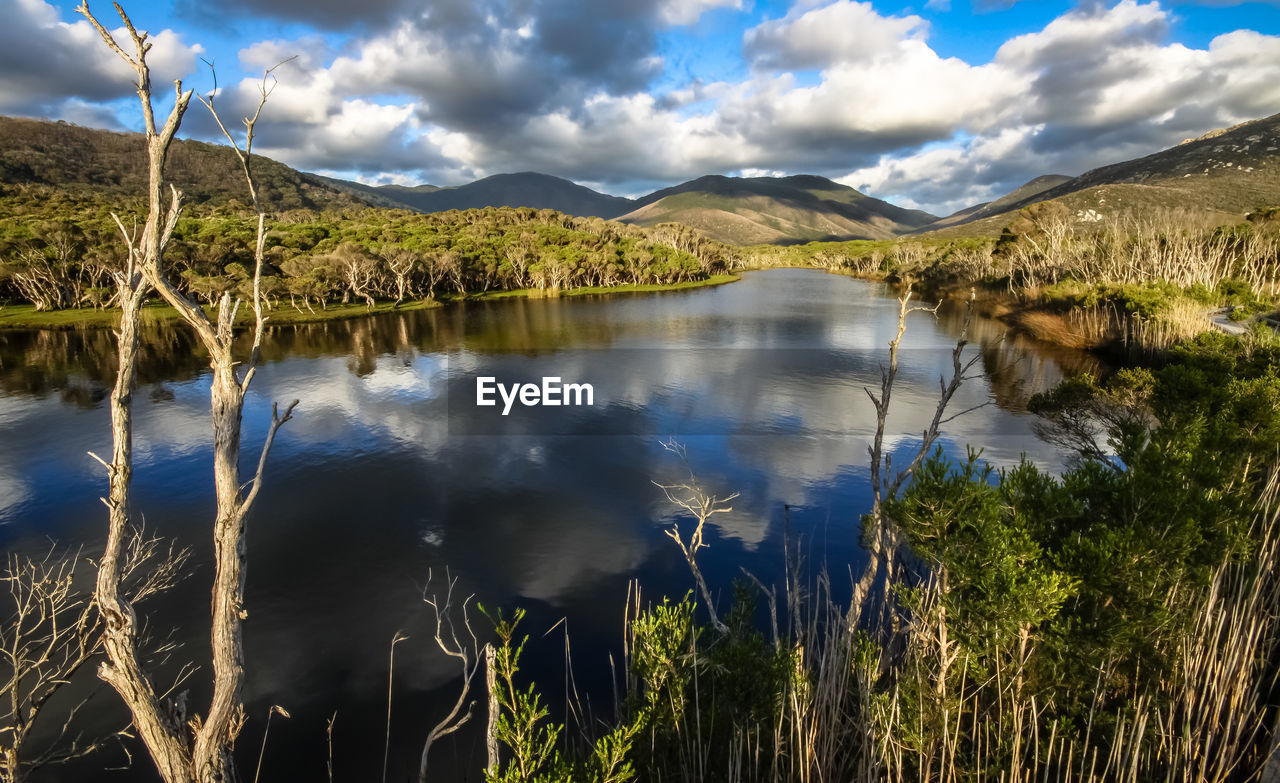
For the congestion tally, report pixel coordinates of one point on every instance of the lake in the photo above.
(390, 472)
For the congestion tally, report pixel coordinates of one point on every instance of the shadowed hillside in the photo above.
(528, 189)
(73, 158)
(388, 196)
(979, 211)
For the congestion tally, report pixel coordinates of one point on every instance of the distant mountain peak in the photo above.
(759, 210)
(1222, 175)
(517, 189)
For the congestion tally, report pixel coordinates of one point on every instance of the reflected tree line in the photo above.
(80, 365)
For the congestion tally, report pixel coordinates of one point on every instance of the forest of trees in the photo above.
(57, 251)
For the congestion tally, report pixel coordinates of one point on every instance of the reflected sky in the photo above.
(386, 474)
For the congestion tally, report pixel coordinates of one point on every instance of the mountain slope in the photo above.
(1000, 205)
(784, 210)
(527, 189)
(389, 196)
(1031, 189)
(75, 158)
(1220, 177)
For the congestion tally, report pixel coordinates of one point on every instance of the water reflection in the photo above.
(377, 481)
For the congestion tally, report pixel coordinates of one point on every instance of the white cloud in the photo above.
(1095, 85)
(842, 32)
(686, 12)
(51, 67)
(305, 54)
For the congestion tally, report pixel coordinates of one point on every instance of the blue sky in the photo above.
(937, 104)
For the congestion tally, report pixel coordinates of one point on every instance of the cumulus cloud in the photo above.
(684, 12)
(1095, 86)
(57, 69)
(842, 32)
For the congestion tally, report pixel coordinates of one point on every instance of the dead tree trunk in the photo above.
(161, 724)
(882, 537)
(199, 749)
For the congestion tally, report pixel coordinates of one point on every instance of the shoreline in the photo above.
(1021, 313)
(26, 318)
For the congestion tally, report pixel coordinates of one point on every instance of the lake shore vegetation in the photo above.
(58, 252)
(1116, 283)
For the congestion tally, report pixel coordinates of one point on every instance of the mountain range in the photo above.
(526, 189)
(731, 209)
(775, 210)
(1220, 176)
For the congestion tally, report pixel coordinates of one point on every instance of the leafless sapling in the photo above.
(702, 505)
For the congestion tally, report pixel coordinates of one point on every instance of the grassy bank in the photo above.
(627, 288)
(25, 316)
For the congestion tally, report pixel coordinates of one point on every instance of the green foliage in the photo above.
(315, 258)
(663, 657)
(977, 529)
(1081, 589)
(1149, 300)
(1189, 443)
(522, 726)
(526, 730)
(697, 693)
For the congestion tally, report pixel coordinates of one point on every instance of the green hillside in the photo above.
(768, 210)
(75, 159)
(1216, 179)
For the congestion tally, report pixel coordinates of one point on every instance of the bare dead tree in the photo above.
(702, 505)
(882, 538)
(403, 264)
(53, 631)
(465, 649)
(198, 748)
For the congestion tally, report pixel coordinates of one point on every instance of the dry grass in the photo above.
(885, 706)
(1106, 323)
(1067, 330)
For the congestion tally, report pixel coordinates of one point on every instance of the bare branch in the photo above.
(54, 632)
(882, 537)
(466, 651)
(692, 498)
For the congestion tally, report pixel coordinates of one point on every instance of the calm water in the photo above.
(389, 472)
